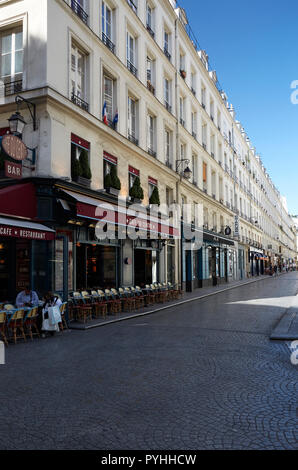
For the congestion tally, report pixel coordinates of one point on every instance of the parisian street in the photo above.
(203, 375)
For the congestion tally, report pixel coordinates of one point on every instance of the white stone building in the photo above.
(137, 66)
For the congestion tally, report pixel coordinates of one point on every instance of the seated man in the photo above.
(27, 298)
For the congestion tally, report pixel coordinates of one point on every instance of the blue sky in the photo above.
(253, 46)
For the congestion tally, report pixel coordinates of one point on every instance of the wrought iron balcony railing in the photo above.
(132, 6)
(79, 102)
(132, 68)
(132, 138)
(76, 7)
(152, 152)
(150, 30)
(11, 88)
(107, 42)
(168, 106)
(167, 54)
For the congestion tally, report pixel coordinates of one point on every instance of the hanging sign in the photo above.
(236, 225)
(14, 147)
(13, 170)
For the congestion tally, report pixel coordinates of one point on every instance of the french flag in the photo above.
(104, 114)
(115, 120)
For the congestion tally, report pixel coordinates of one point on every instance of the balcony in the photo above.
(132, 138)
(169, 164)
(132, 68)
(150, 31)
(79, 11)
(194, 135)
(152, 152)
(182, 122)
(168, 107)
(212, 155)
(204, 146)
(107, 42)
(11, 88)
(167, 54)
(132, 6)
(79, 102)
(150, 87)
(193, 91)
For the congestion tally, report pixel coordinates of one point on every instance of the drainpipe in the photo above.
(178, 189)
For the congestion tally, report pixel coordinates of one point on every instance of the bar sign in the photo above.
(13, 170)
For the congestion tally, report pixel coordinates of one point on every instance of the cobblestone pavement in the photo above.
(200, 376)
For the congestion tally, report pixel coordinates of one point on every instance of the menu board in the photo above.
(22, 264)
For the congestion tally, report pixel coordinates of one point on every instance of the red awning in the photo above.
(92, 208)
(19, 200)
(23, 229)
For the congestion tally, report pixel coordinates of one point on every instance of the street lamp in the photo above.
(16, 123)
(187, 171)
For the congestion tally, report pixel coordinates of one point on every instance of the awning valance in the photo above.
(97, 209)
(25, 229)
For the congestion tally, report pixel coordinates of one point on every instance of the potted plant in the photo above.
(136, 191)
(183, 74)
(112, 182)
(85, 175)
(154, 199)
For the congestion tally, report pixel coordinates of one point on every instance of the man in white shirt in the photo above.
(27, 298)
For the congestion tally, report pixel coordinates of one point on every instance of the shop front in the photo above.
(25, 248)
(212, 264)
(112, 245)
(256, 258)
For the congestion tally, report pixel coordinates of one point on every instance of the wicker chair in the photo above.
(63, 324)
(31, 322)
(126, 299)
(15, 323)
(83, 310)
(114, 301)
(3, 327)
(139, 297)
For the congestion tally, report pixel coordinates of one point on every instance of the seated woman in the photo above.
(51, 300)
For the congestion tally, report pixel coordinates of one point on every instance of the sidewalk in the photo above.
(188, 297)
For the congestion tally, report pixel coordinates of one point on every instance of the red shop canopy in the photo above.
(92, 208)
(18, 200)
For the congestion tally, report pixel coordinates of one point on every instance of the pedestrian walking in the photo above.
(275, 270)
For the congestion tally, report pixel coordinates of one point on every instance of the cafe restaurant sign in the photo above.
(14, 147)
(29, 234)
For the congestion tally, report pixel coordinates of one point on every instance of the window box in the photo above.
(113, 191)
(83, 181)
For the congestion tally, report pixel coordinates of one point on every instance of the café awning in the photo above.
(24, 229)
(18, 200)
(96, 209)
